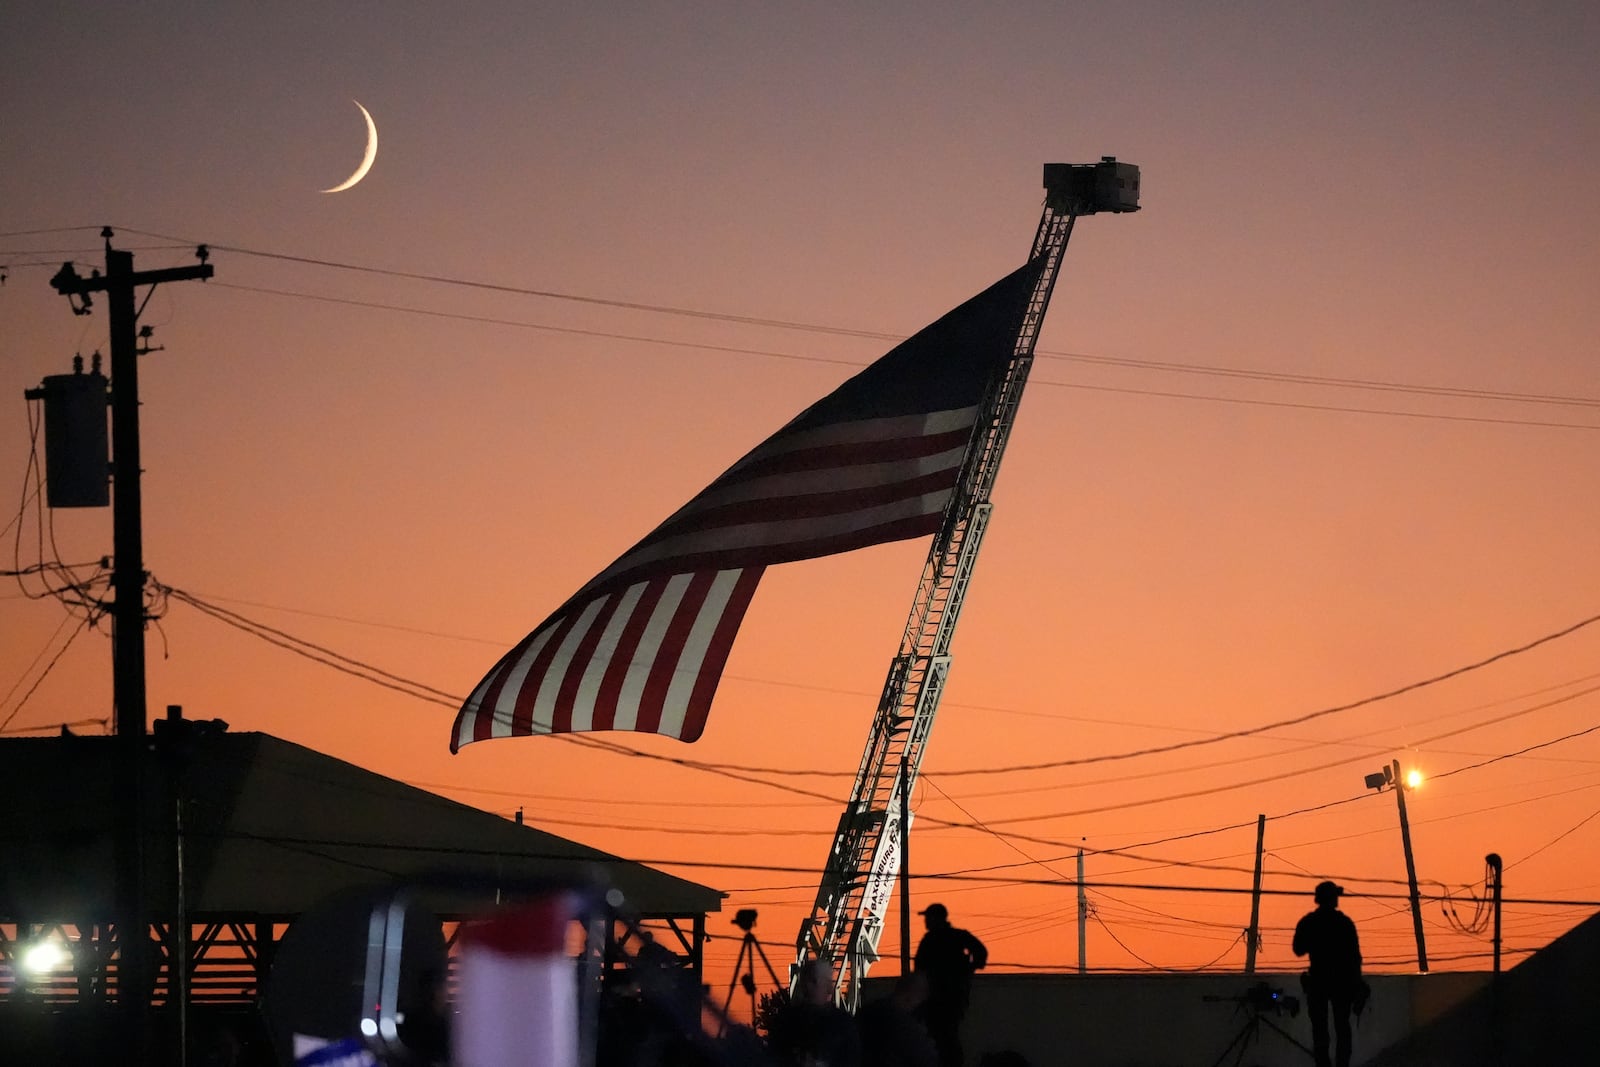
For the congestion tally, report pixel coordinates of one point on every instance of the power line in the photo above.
(1295, 720)
(1520, 751)
(58, 229)
(1568, 831)
(1335, 408)
(997, 836)
(490, 320)
(517, 290)
(652, 803)
(1375, 384)
(1158, 967)
(83, 624)
(389, 680)
(1226, 372)
(1369, 384)
(1297, 772)
(1089, 783)
(412, 846)
(103, 723)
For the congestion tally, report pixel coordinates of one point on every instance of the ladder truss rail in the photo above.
(839, 928)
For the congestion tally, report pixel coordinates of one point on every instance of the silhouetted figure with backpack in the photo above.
(1333, 980)
(947, 956)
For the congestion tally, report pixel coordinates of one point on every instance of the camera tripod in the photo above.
(1250, 1033)
(744, 965)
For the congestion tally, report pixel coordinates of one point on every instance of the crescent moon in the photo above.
(366, 160)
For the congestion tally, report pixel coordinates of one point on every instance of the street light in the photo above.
(44, 956)
(1390, 777)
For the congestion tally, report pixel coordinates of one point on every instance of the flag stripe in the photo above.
(780, 542)
(860, 431)
(524, 706)
(701, 630)
(674, 643)
(716, 653)
(777, 486)
(843, 455)
(630, 699)
(583, 657)
(593, 714)
(642, 645)
(802, 506)
(609, 706)
(509, 674)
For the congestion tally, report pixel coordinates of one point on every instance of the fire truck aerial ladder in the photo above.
(847, 919)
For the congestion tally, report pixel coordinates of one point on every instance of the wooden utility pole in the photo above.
(1253, 935)
(1411, 869)
(127, 576)
(128, 617)
(1083, 920)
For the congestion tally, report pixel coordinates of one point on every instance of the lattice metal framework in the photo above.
(847, 918)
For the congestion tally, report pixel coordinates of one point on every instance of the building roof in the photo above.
(270, 828)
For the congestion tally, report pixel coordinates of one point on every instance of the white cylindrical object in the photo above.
(517, 997)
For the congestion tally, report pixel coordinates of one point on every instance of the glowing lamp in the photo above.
(43, 957)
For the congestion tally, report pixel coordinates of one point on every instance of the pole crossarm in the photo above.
(67, 282)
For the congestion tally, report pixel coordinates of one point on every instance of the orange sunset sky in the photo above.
(1318, 424)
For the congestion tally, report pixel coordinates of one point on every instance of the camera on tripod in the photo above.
(1264, 999)
(1270, 1000)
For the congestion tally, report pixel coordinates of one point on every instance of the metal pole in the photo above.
(1083, 920)
(1496, 1003)
(177, 749)
(905, 863)
(1253, 935)
(1493, 860)
(1411, 869)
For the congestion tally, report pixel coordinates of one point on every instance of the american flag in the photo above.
(642, 646)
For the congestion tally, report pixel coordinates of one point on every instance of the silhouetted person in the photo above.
(811, 1030)
(892, 1034)
(1333, 979)
(947, 957)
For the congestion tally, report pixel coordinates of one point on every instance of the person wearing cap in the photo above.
(1332, 981)
(947, 956)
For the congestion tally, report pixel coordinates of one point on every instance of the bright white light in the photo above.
(1413, 779)
(44, 956)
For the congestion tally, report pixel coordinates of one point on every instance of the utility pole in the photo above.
(127, 576)
(128, 611)
(1083, 920)
(1253, 935)
(905, 865)
(1493, 860)
(1496, 994)
(1411, 869)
